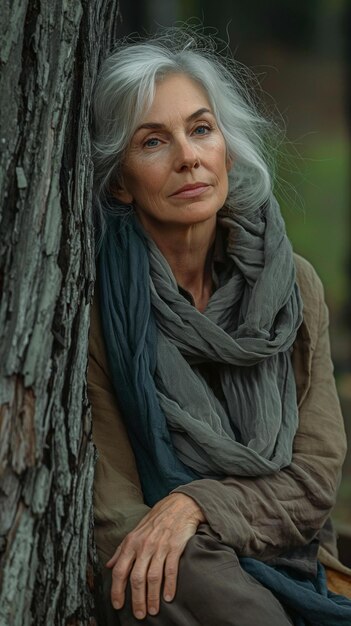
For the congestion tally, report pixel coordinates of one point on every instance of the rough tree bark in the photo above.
(49, 52)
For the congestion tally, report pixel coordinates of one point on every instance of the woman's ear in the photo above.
(119, 191)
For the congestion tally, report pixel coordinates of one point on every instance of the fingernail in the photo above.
(139, 615)
(168, 598)
(153, 611)
(116, 605)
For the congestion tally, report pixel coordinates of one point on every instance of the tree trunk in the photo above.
(49, 56)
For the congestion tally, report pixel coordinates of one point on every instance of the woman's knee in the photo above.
(214, 587)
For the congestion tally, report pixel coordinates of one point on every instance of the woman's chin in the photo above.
(194, 213)
(184, 217)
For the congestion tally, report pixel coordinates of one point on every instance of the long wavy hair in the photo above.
(125, 89)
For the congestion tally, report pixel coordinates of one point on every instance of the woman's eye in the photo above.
(152, 142)
(202, 130)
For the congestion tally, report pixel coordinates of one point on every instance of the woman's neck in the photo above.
(186, 249)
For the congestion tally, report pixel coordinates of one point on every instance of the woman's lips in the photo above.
(190, 191)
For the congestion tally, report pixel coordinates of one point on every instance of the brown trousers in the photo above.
(212, 590)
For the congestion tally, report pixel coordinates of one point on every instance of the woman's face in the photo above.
(175, 170)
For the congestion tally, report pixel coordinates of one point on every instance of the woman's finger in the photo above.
(170, 575)
(120, 574)
(154, 582)
(113, 559)
(138, 587)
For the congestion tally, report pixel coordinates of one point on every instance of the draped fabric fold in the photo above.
(307, 599)
(130, 336)
(158, 345)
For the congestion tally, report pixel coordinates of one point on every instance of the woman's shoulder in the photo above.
(312, 295)
(310, 284)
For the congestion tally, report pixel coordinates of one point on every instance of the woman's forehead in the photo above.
(175, 93)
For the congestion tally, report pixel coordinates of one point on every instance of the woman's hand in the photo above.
(151, 553)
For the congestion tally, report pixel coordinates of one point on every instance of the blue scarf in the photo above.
(130, 336)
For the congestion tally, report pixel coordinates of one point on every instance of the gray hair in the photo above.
(126, 86)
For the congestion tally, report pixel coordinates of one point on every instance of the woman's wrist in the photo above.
(194, 510)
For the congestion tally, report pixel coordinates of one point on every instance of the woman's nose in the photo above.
(186, 155)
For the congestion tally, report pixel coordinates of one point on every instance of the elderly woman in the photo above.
(215, 414)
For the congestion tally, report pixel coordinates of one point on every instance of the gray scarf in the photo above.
(245, 337)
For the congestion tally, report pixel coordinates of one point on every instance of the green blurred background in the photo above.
(300, 52)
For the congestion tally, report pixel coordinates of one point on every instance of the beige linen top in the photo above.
(257, 516)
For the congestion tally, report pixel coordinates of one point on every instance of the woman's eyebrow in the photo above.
(158, 126)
